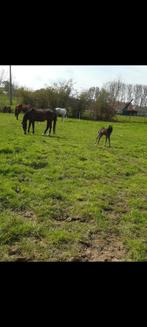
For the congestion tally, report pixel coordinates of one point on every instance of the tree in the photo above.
(138, 94)
(2, 76)
(130, 92)
(103, 108)
(24, 96)
(114, 88)
(63, 91)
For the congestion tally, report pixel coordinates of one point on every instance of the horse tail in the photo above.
(16, 112)
(54, 124)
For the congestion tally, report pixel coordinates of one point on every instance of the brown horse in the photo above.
(21, 108)
(104, 131)
(39, 115)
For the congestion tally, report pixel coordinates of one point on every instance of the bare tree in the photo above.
(2, 76)
(113, 88)
(144, 100)
(123, 93)
(129, 92)
(138, 94)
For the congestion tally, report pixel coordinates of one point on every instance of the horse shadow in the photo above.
(55, 137)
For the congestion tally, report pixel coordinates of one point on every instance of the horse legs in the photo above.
(50, 128)
(107, 138)
(33, 127)
(98, 138)
(29, 126)
(47, 127)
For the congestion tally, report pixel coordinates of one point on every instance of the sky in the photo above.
(35, 77)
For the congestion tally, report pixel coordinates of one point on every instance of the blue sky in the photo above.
(35, 77)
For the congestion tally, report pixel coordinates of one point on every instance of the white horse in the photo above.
(62, 112)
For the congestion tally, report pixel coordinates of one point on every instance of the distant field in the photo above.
(131, 119)
(64, 198)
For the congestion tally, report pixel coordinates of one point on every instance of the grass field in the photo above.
(62, 198)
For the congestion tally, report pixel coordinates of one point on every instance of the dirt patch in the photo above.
(104, 249)
(110, 250)
(63, 216)
(28, 215)
(101, 248)
(78, 218)
(59, 216)
(13, 250)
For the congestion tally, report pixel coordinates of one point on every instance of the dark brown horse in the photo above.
(21, 108)
(104, 131)
(39, 115)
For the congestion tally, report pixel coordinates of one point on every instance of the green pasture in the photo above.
(64, 198)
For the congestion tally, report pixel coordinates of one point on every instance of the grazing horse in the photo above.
(104, 131)
(40, 115)
(62, 112)
(21, 108)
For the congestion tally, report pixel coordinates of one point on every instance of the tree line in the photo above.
(94, 103)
